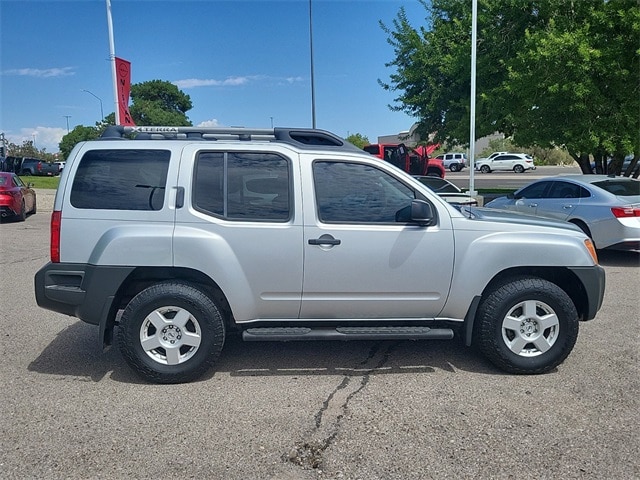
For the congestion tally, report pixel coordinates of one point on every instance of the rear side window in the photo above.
(621, 188)
(243, 186)
(121, 180)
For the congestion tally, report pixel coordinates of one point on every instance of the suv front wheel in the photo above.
(527, 326)
(171, 332)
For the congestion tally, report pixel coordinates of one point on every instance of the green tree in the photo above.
(358, 140)
(79, 134)
(551, 73)
(158, 102)
(28, 149)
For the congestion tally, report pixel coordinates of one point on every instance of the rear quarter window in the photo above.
(121, 180)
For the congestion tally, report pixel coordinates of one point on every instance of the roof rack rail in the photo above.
(300, 137)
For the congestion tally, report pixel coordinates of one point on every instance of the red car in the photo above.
(16, 198)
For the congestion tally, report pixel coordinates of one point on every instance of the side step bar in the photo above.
(284, 334)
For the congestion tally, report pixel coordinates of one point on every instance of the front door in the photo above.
(360, 263)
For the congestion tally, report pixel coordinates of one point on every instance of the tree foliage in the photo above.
(553, 73)
(29, 149)
(79, 134)
(158, 102)
(358, 140)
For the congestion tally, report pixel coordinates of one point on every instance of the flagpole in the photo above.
(112, 58)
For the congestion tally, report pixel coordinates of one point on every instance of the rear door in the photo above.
(240, 225)
(560, 200)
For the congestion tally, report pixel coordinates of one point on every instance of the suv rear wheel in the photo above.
(518, 169)
(527, 326)
(171, 332)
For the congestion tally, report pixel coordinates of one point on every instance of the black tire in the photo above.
(190, 341)
(583, 227)
(34, 210)
(454, 167)
(518, 169)
(544, 321)
(22, 215)
(485, 169)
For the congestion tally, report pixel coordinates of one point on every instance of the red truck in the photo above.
(415, 161)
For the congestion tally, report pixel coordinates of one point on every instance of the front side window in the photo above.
(243, 186)
(357, 193)
(121, 180)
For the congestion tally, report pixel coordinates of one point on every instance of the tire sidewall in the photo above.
(494, 346)
(181, 295)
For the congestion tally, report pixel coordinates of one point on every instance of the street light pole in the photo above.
(313, 89)
(100, 100)
(67, 117)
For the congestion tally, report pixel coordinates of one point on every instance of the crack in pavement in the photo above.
(308, 453)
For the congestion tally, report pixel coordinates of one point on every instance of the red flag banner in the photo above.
(123, 72)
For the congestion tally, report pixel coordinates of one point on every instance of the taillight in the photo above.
(625, 212)
(56, 220)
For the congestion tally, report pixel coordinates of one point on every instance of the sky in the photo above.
(243, 63)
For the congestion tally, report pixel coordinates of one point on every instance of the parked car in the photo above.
(60, 166)
(606, 208)
(448, 191)
(160, 242)
(517, 162)
(453, 161)
(26, 166)
(16, 198)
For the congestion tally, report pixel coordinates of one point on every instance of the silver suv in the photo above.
(184, 235)
(453, 161)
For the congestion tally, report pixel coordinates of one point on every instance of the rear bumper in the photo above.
(79, 290)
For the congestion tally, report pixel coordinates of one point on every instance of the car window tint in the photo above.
(564, 190)
(620, 187)
(243, 186)
(536, 190)
(356, 193)
(121, 180)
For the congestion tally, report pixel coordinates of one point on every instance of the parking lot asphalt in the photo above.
(312, 410)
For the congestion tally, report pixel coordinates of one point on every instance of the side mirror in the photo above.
(419, 212)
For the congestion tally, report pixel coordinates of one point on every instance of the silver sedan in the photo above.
(606, 208)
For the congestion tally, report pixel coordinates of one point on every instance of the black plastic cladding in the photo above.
(300, 137)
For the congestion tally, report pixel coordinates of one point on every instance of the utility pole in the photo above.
(67, 117)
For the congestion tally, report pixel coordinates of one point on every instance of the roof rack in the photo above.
(300, 137)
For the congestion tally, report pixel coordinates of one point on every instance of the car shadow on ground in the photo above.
(75, 352)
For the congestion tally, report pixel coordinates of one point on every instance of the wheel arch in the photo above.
(143, 277)
(561, 276)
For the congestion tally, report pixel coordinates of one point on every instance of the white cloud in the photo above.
(43, 137)
(199, 82)
(41, 73)
(209, 123)
(235, 81)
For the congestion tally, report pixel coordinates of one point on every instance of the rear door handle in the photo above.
(324, 240)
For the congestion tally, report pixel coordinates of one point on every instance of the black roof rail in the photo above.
(300, 137)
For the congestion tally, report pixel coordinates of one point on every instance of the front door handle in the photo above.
(324, 240)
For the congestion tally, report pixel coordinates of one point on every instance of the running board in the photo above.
(284, 334)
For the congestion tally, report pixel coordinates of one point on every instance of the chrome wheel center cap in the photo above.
(171, 334)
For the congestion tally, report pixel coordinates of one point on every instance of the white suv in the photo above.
(503, 161)
(184, 235)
